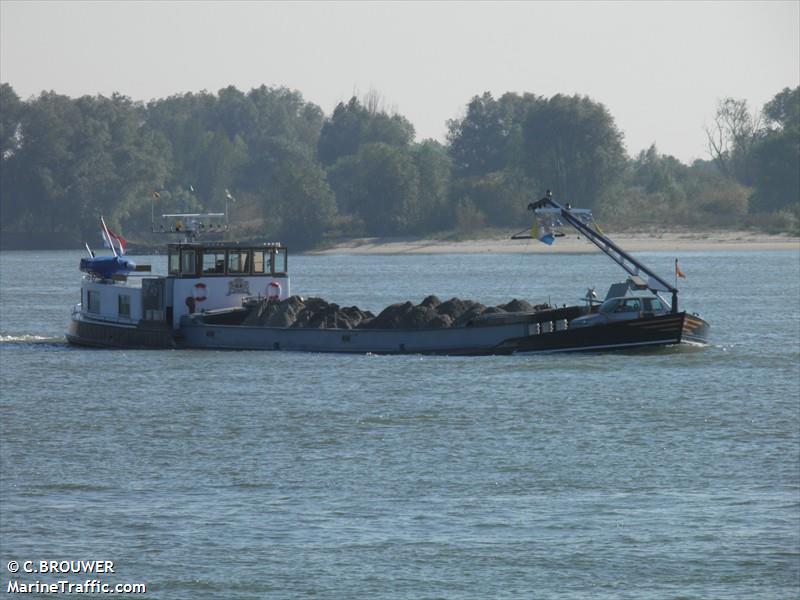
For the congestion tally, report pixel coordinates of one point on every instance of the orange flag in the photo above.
(678, 272)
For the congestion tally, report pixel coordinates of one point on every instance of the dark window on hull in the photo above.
(93, 301)
(124, 305)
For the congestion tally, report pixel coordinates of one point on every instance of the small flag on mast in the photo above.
(229, 196)
(678, 272)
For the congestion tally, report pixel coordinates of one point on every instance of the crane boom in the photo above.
(631, 265)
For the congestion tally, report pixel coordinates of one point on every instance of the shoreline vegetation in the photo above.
(281, 168)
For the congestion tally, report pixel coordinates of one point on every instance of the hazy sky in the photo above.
(660, 68)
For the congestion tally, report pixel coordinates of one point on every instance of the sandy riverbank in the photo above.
(633, 242)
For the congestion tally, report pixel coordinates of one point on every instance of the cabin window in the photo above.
(187, 262)
(174, 262)
(93, 300)
(214, 262)
(238, 261)
(262, 261)
(655, 305)
(630, 306)
(609, 306)
(124, 305)
(281, 261)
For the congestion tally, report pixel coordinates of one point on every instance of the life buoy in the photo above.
(199, 292)
(274, 290)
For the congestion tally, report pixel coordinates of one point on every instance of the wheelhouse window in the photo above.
(124, 305)
(238, 261)
(281, 261)
(262, 261)
(213, 262)
(188, 266)
(93, 301)
(217, 258)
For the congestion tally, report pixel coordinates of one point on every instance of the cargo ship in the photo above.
(228, 295)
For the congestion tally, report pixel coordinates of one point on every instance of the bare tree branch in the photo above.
(732, 134)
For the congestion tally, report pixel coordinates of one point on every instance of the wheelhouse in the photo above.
(226, 259)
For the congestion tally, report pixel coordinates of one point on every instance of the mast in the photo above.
(614, 252)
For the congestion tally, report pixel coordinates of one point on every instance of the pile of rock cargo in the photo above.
(431, 313)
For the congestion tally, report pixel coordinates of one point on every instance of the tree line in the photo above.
(302, 176)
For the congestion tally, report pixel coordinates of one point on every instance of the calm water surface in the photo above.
(662, 474)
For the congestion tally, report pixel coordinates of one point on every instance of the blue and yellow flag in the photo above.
(544, 236)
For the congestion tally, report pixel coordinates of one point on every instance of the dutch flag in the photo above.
(109, 239)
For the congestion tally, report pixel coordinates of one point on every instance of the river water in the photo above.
(204, 474)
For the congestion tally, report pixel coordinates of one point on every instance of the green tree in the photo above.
(783, 111)
(11, 115)
(434, 172)
(502, 196)
(657, 173)
(489, 136)
(221, 163)
(43, 158)
(487, 148)
(385, 193)
(237, 140)
(775, 157)
(187, 122)
(344, 179)
(11, 109)
(574, 148)
(352, 125)
(307, 204)
(77, 159)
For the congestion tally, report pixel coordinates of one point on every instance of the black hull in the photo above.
(664, 330)
(95, 334)
(670, 329)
